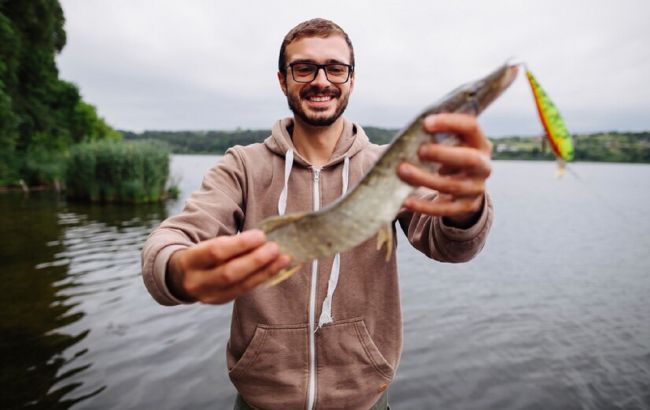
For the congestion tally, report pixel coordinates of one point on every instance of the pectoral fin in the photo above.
(385, 235)
(282, 276)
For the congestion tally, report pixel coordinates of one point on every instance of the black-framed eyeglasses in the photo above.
(336, 73)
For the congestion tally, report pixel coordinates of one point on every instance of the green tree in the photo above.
(41, 116)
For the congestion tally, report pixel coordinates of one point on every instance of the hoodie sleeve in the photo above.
(444, 243)
(215, 209)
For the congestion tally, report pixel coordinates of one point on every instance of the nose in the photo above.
(321, 77)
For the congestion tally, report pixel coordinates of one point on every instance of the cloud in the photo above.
(211, 65)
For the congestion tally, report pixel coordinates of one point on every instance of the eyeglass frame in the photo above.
(318, 68)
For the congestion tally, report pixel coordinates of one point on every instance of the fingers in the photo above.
(459, 195)
(240, 274)
(221, 249)
(460, 178)
(237, 269)
(250, 282)
(463, 125)
(458, 185)
(469, 160)
(220, 269)
(445, 205)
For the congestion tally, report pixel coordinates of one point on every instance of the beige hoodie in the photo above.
(274, 360)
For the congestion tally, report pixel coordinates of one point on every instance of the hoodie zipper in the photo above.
(312, 303)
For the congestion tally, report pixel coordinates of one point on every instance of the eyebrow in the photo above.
(307, 60)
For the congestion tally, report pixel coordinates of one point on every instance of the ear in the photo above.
(283, 82)
(354, 76)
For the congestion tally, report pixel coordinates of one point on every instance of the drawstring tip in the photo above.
(325, 319)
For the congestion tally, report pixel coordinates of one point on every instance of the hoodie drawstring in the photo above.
(326, 310)
(288, 164)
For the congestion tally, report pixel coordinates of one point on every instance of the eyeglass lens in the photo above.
(307, 72)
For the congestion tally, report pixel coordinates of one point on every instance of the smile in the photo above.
(323, 98)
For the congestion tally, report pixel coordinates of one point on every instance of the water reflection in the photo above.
(554, 311)
(61, 261)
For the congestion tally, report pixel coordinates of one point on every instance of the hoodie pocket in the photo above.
(272, 372)
(352, 372)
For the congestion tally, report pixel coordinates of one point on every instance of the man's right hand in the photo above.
(218, 270)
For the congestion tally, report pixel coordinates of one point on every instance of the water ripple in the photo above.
(553, 314)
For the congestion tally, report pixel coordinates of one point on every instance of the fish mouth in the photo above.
(491, 87)
(509, 75)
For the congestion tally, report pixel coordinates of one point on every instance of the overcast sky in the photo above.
(207, 64)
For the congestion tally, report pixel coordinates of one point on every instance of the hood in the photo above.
(351, 141)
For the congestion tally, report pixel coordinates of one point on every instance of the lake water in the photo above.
(554, 313)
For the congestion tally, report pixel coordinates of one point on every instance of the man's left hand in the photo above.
(460, 181)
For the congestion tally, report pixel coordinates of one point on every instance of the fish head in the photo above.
(490, 87)
(475, 96)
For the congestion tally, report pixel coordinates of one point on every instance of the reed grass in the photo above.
(109, 171)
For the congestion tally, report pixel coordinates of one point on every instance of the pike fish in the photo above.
(374, 203)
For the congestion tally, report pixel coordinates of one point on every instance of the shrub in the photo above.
(109, 171)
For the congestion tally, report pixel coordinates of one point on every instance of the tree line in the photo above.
(41, 116)
(605, 146)
(210, 142)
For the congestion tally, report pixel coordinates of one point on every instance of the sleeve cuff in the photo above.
(459, 234)
(160, 271)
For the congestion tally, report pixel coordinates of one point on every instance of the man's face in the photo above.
(320, 102)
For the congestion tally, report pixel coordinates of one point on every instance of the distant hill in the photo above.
(598, 147)
(605, 146)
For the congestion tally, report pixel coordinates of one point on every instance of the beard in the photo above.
(317, 119)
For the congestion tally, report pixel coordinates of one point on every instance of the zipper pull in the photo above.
(316, 174)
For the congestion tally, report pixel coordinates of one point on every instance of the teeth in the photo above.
(320, 99)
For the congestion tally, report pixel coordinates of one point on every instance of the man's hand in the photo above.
(460, 181)
(218, 270)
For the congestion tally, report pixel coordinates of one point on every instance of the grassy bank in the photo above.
(106, 171)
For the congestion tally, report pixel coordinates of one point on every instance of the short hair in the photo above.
(317, 27)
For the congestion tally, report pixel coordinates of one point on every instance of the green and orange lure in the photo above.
(558, 136)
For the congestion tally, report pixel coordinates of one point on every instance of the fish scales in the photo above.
(376, 200)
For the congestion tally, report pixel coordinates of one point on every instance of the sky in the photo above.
(211, 65)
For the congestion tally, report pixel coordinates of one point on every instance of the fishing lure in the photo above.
(557, 133)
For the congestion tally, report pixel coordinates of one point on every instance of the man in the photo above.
(308, 342)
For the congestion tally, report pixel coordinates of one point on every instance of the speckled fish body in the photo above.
(376, 200)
